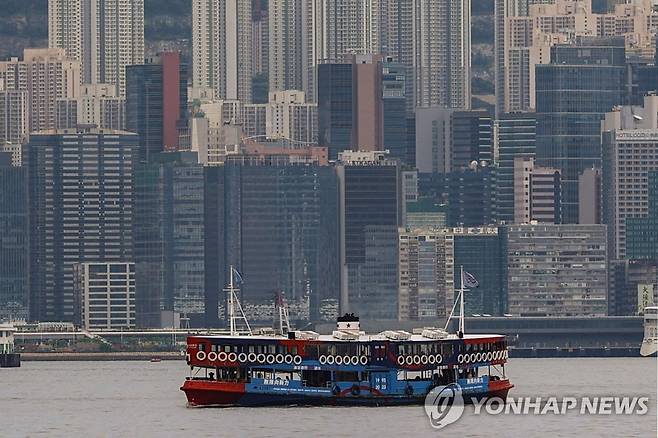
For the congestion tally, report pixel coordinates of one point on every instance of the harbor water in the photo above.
(116, 399)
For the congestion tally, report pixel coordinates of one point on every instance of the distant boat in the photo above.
(156, 359)
(650, 342)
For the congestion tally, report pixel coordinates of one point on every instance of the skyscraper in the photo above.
(371, 210)
(629, 138)
(81, 200)
(14, 240)
(525, 30)
(514, 136)
(442, 53)
(351, 104)
(156, 103)
(285, 44)
(47, 75)
(448, 140)
(168, 230)
(582, 83)
(274, 219)
(105, 36)
(221, 47)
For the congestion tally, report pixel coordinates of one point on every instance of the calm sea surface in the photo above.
(142, 399)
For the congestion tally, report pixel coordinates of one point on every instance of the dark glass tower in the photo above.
(156, 103)
(515, 136)
(81, 201)
(370, 214)
(335, 107)
(14, 232)
(276, 223)
(642, 232)
(169, 240)
(582, 82)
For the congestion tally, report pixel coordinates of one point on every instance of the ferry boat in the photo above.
(9, 358)
(348, 367)
(650, 342)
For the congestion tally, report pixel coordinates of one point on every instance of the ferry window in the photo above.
(202, 347)
(251, 349)
(293, 350)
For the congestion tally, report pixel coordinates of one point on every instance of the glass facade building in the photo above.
(274, 221)
(335, 117)
(479, 251)
(642, 232)
(169, 240)
(582, 82)
(370, 199)
(515, 135)
(14, 240)
(81, 210)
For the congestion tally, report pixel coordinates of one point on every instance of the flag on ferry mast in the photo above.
(470, 280)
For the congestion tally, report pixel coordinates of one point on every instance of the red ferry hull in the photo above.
(224, 394)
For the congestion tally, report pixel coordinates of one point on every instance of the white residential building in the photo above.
(47, 75)
(103, 35)
(221, 47)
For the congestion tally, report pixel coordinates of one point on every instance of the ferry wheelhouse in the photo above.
(348, 367)
(650, 342)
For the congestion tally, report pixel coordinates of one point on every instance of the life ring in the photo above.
(400, 360)
(336, 389)
(270, 358)
(506, 354)
(478, 357)
(297, 360)
(355, 360)
(409, 360)
(431, 359)
(330, 360)
(467, 358)
(490, 356)
(279, 358)
(409, 390)
(200, 355)
(424, 360)
(261, 358)
(363, 360)
(355, 390)
(212, 356)
(460, 358)
(232, 357)
(438, 358)
(288, 358)
(339, 360)
(322, 359)
(347, 360)
(251, 357)
(242, 357)
(417, 360)
(221, 356)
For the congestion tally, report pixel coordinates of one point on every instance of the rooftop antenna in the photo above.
(234, 302)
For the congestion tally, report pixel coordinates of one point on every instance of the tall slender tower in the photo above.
(442, 53)
(103, 35)
(221, 47)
